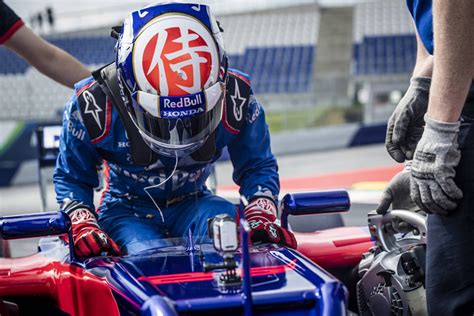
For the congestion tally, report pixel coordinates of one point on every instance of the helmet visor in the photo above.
(173, 125)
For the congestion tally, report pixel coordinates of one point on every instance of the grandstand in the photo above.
(280, 62)
(384, 55)
(277, 47)
(384, 39)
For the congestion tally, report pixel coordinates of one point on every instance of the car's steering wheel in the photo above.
(398, 228)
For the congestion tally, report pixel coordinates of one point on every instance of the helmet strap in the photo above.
(142, 154)
(207, 151)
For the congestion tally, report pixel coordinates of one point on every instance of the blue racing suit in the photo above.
(134, 207)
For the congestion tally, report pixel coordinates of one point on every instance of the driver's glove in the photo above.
(432, 174)
(405, 126)
(397, 193)
(261, 214)
(89, 239)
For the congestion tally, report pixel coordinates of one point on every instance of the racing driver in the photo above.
(160, 116)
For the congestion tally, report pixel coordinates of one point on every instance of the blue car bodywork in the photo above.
(170, 277)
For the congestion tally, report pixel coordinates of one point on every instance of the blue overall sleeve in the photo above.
(76, 167)
(255, 166)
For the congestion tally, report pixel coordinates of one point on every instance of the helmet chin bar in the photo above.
(169, 150)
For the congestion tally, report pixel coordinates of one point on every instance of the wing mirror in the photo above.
(34, 225)
(311, 203)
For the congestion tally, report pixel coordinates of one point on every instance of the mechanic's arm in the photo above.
(437, 154)
(256, 172)
(405, 125)
(453, 57)
(47, 58)
(74, 178)
(397, 192)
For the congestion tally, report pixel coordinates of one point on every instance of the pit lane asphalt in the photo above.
(26, 198)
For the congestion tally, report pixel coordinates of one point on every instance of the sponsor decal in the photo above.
(92, 107)
(182, 102)
(257, 109)
(266, 205)
(182, 107)
(78, 133)
(175, 60)
(255, 224)
(77, 115)
(123, 144)
(273, 231)
(179, 178)
(103, 238)
(81, 216)
(142, 14)
(182, 113)
(238, 102)
(196, 7)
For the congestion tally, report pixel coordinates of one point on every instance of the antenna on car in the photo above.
(244, 242)
(201, 253)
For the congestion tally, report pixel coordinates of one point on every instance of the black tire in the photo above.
(311, 223)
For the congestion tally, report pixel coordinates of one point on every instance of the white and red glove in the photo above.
(89, 239)
(261, 214)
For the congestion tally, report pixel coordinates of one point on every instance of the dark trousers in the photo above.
(450, 246)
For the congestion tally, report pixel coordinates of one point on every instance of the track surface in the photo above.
(364, 171)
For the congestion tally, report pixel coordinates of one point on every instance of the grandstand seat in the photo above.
(381, 55)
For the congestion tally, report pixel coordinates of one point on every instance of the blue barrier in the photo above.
(369, 134)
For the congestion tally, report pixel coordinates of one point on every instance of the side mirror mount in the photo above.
(37, 225)
(34, 225)
(312, 203)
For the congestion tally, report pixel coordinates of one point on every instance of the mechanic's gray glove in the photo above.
(397, 193)
(405, 126)
(432, 184)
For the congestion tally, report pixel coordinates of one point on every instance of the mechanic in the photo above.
(160, 116)
(47, 58)
(440, 98)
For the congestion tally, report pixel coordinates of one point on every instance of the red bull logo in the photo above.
(183, 102)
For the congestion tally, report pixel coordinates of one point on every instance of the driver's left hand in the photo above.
(261, 214)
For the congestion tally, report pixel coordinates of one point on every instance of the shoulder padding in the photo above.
(96, 110)
(237, 101)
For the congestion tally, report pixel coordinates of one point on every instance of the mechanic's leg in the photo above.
(134, 229)
(450, 246)
(193, 214)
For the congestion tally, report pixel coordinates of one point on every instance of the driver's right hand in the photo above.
(89, 239)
